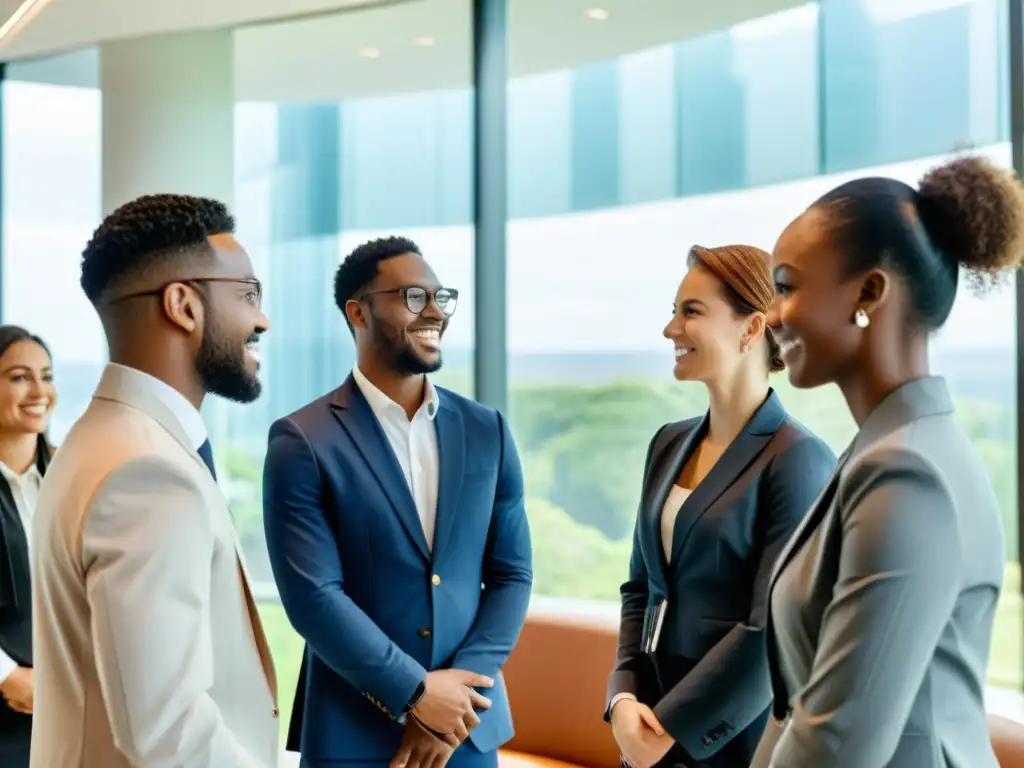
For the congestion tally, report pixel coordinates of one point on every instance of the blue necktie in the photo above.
(206, 454)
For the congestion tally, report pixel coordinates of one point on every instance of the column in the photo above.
(168, 116)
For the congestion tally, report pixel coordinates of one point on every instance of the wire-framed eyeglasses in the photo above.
(255, 297)
(417, 298)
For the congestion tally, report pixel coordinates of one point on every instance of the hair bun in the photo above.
(973, 212)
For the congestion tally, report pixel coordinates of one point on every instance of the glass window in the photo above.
(51, 132)
(358, 127)
(591, 286)
(888, 98)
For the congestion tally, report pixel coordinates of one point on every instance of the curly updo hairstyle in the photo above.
(966, 213)
(745, 275)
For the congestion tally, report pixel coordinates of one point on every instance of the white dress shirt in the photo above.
(677, 496)
(173, 400)
(414, 442)
(25, 490)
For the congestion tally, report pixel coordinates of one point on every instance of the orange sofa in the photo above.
(556, 681)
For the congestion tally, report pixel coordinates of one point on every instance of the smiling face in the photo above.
(707, 335)
(409, 342)
(228, 357)
(27, 394)
(815, 303)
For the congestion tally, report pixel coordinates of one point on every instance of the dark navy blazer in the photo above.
(376, 606)
(708, 680)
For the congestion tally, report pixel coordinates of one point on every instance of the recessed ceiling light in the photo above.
(598, 14)
(369, 52)
(424, 42)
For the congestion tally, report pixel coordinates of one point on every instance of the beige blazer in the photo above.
(883, 602)
(148, 649)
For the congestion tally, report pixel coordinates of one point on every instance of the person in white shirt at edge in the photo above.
(27, 398)
(148, 649)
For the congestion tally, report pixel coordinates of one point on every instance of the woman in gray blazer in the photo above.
(722, 493)
(882, 603)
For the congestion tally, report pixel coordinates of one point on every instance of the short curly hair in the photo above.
(359, 268)
(148, 231)
(966, 213)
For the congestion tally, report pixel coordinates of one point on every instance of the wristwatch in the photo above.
(417, 695)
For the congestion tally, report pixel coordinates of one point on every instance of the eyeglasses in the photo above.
(255, 297)
(417, 298)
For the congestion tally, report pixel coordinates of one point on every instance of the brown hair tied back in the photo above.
(745, 273)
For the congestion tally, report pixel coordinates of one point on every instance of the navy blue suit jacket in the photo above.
(376, 606)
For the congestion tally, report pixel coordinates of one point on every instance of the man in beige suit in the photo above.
(148, 649)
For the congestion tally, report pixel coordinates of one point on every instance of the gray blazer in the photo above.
(881, 605)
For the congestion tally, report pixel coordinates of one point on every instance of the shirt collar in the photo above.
(12, 477)
(379, 402)
(179, 406)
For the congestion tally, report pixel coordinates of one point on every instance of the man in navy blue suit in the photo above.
(398, 538)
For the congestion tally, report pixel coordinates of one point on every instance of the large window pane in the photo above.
(51, 203)
(358, 126)
(889, 98)
(590, 285)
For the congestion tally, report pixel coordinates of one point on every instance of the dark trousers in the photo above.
(15, 737)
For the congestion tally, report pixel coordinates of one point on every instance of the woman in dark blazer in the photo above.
(722, 494)
(27, 398)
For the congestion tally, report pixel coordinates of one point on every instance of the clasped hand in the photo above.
(18, 690)
(448, 709)
(642, 739)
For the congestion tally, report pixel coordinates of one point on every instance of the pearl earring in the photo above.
(861, 319)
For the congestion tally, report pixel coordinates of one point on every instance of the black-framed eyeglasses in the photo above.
(417, 298)
(255, 297)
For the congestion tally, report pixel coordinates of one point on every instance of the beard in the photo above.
(221, 365)
(400, 354)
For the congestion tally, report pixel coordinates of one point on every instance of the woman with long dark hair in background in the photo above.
(27, 398)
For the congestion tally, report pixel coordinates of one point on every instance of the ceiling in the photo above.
(393, 47)
(67, 24)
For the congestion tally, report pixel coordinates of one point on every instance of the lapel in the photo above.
(262, 646)
(12, 531)
(916, 399)
(451, 448)
(121, 386)
(677, 454)
(810, 521)
(351, 409)
(747, 446)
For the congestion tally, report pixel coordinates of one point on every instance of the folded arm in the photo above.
(507, 571)
(147, 547)
(899, 570)
(307, 568)
(730, 685)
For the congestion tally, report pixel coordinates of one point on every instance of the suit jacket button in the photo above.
(435, 580)
(424, 633)
(706, 740)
